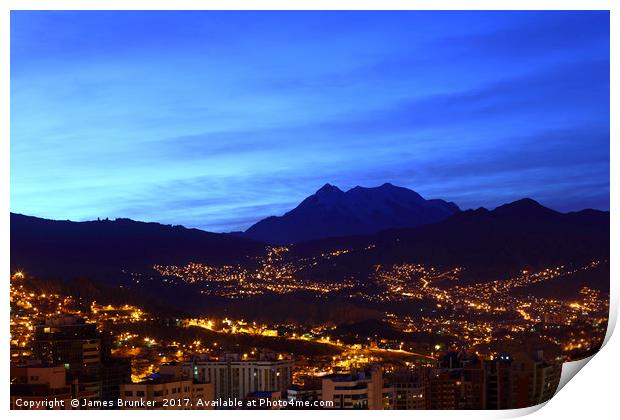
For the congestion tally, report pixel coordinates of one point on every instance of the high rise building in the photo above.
(236, 376)
(443, 390)
(170, 389)
(84, 352)
(504, 381)
(41, 386)
(409, 392)
(358, 390)
(69, 341)
(533, 381)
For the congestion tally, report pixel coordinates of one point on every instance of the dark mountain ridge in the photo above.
(98, 249)
(332, 212)
(488, 243)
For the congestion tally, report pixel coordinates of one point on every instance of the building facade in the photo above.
(235, 376)
(85, 354)
(358, 390)
(37, 386)
(163, 392)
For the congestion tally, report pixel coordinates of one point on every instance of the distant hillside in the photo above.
(487, 243)
(100, 249)
(332, 212)
(568, 286)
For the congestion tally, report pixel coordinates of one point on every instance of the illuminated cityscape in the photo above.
(481, 326)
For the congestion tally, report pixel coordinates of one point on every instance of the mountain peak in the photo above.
(523, 207)
(331, 212)
(524, 203)
(328, 188)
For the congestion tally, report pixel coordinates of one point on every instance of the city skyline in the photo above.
(216, 120)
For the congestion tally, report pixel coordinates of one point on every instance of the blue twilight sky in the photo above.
(218, 119)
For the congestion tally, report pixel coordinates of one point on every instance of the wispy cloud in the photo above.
(217, 119)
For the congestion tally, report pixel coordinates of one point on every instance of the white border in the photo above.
(592, 396)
